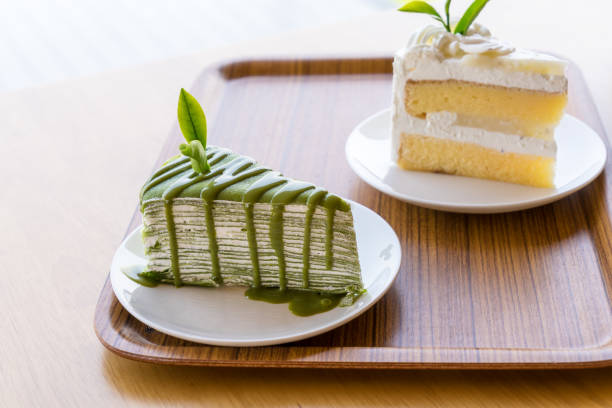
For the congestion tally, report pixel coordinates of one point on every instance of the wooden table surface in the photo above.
(74, 156)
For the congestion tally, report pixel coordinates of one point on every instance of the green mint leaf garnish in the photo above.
(462, 26)
(447, 12)
(424, 8)
(191, 118)
(197, 153)
(469, 16)
(192, 122)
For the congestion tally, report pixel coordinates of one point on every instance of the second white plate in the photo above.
(225, 317)
(581, 157)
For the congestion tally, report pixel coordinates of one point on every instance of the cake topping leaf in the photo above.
(192, 122)
(447, 12)
(464, 23)
(425, 8)
(197, 153)
(469, 16)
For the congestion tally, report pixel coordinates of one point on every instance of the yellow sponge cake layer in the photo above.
(425, 153)
(468, 98)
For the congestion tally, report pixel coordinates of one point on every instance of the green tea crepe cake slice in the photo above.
(213, 217)
(244, 224)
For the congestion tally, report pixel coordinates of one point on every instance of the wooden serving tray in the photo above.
(529, 289)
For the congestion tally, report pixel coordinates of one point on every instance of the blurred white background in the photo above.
(45, 41)
(48, 40)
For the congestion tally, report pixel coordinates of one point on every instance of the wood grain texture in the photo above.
(529, 289)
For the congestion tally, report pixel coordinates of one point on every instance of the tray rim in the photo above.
(230, 69)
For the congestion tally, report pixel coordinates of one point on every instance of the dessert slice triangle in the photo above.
(247, 225)
(214, 217)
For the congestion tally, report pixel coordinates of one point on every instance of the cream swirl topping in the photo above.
(478, 40)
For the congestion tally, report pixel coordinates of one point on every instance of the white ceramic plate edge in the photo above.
(374, 181)
(118, 279)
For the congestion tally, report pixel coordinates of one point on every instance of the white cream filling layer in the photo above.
(442, 125)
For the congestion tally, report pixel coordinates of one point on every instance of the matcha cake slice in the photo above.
(244, 224)
(213, 217)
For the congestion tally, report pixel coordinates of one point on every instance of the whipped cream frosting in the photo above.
(437, 55)
(478, 40)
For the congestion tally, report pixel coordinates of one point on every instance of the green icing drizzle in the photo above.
(331, 204)
(177, 179)
(236, 170)
(136, 272)
(276, 240)
(300, 303)
(254, 192)
(250, 227)
(173, 163)
(212, 243)
(172, 241)
(172, 171)
(285, 195)
(329, 234)
(290, 191)
(311, 204)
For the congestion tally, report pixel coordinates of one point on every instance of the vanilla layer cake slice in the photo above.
(242, 224)
(474, 106)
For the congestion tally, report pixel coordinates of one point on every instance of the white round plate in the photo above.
(225, 317)
(581, 156)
